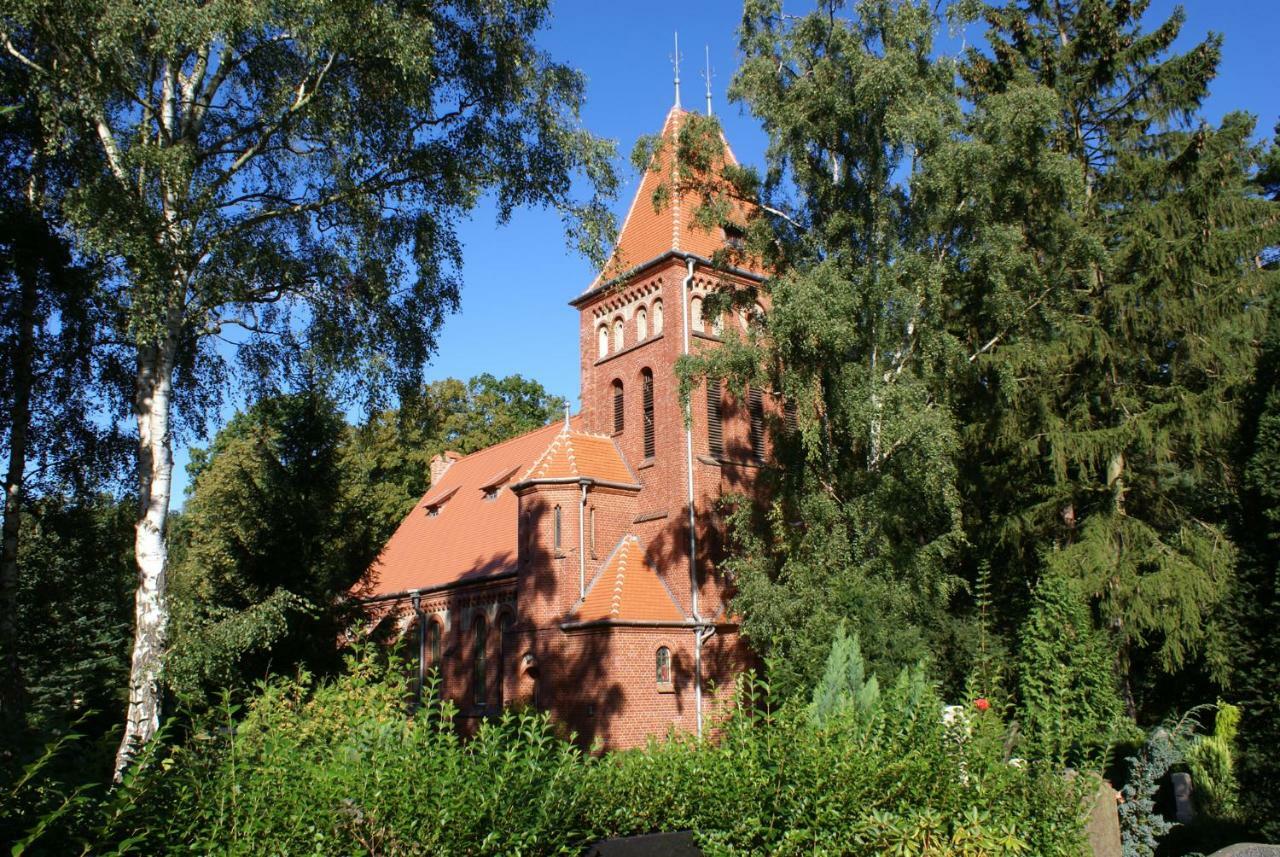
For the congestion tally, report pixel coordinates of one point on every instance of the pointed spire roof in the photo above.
(626, 589)
(650, 232)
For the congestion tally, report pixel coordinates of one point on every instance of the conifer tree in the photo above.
(1104, 390)
(866, 524)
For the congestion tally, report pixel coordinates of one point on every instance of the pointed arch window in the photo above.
(715, 432)
(657, 317)
(480, 661)
(642, 324)
(619, 410)
(646, 383)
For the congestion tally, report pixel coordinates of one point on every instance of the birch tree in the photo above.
(273, 177)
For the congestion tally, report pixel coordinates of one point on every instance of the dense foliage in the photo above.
(337, 767)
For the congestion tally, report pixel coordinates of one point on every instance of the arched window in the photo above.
(695, 313)
(657, 317)
(593, 532)
(603, 339)
(662, 666)
(618, 408)
(715, 434)
(432, 646)
(755, 407)
(717, 325)
(506, 625)
(480, 661)
(646, 383)
(642, 324)
(618, 329)
(556, 534)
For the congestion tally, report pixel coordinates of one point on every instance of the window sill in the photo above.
(629, 348)
(666, 687)
(647, 463)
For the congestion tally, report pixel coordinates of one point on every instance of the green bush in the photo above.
(338, 767)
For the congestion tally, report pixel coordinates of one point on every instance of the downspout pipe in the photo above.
(700, 636)
(582, 542)
(422, 648)
(688, 454)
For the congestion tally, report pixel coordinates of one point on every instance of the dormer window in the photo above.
(735, 237)
(433, 511)
(491, 493)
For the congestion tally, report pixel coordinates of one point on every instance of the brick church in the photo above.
(574, 568)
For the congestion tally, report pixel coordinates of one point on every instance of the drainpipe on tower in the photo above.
(582, 555)
(701, 633)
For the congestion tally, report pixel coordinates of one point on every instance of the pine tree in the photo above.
(1105, 384)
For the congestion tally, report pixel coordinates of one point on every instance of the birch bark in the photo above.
(153, 398)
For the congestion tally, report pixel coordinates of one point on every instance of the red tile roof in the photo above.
(627, 589)
(648, 233)
(581, 455)
(470, 537)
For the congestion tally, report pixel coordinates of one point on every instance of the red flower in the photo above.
(981, 703)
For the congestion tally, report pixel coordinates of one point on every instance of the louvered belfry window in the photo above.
(715, 434)
(755, 404)
(646, 376)
(789, 415)
(617, 407)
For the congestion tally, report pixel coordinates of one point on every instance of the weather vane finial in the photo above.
(675, 61)
(707, 76)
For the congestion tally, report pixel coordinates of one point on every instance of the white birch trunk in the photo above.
(153, 397)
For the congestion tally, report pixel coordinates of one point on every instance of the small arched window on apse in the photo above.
(480, 661)
(695, 314)
(642, 324)
(618, 330)
(657, 317)
(662, 668)
(603, 340)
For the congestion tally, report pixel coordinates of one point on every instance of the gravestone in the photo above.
(1102, 827)
(650, 845)
(1183, 809)
(1248, 849)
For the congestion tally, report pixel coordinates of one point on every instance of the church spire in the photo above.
(707, 75)
(675, 61)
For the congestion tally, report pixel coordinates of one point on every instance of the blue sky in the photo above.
(515, 316)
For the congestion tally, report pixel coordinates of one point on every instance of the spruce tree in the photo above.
(1104, 389)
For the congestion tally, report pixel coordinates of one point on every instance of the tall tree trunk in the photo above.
(153, 397)
(12, 686)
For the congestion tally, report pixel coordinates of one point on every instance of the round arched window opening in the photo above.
(662, 667)
(642, 325)
(695, 314)
(603, 340)
(618, 330)
(657, 317)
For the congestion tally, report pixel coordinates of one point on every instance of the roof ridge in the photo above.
(510, 440)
